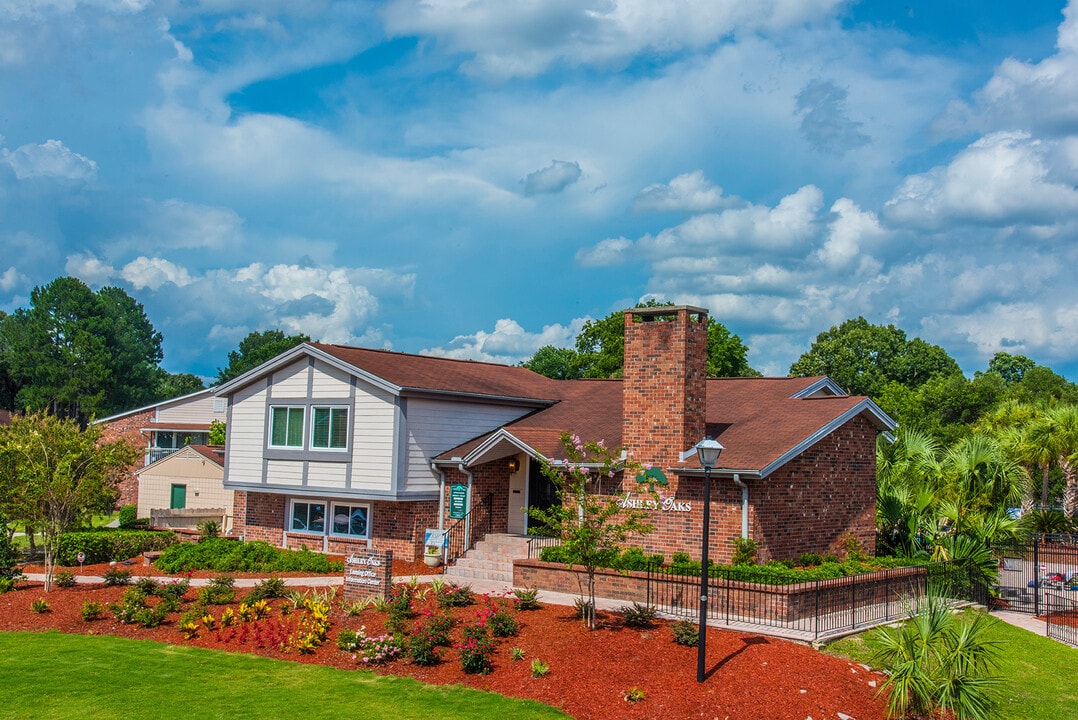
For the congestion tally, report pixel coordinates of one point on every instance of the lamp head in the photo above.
(708, 450)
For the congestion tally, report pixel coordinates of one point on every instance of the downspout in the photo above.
(441, 495)
(744, 506)
(468, 514)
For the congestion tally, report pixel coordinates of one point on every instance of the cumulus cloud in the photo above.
(552, 179)
(822, 107)
(90, 269)
(691, 192)
(509, 342)
(143, 272)
(848, 233)
(11, 279)
(1002, 178)
(525, 38)
(50, 159)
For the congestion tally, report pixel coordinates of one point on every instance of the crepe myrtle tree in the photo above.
(55, 474)
(591, 525)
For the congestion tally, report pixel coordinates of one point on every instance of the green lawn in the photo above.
(52, 675)
(1038, 673)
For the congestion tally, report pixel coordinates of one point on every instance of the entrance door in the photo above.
(541, 493)
(178, 499)
(518, 502)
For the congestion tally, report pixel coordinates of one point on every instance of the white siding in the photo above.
(202, 477)
(374, 428)
(286, 473)
(291, 381)
(326, 475)
(434, 426)
(195, 410)
(329, 382)
(246, 434)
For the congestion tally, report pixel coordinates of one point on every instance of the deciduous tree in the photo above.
(255, 349)
(56, 474)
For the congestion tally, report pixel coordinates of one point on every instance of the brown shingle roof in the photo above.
(758, 420)
(422, 372)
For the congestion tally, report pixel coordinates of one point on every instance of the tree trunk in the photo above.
(1070, 494)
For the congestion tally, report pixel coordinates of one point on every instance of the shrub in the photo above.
(174, 590)
(744, 552)
(937, 661)
(377, 650)
(226, 555)
(9, 555)
(503, 624)
(208, 529)
(516, 654)
(476, 650)
(128, 516)
(685, 633)
(92, 610)
(219, 591)
(147, 585)
(41, 605)
(540, 668)
(106, 544)
(634, 694)
(855, 551)
(348, 640)
(268, 589)
(117, 576)
(64, 579)
(455, 596)
(527, 598)
(680, 558)
(809, 559)
(639, 616)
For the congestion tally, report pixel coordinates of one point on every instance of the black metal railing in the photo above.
(1061, 617)
(460, 537)
(536, 543)
(1027, 572)
(812, 608)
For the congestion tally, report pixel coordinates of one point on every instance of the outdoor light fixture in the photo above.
(514, 465)
(707, 450)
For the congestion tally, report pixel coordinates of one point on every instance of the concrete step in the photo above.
(491, 559)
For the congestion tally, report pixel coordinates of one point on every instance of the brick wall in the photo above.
(664, 392)
(492, 477)
(127, 428)
(812, 503)
(395, 526)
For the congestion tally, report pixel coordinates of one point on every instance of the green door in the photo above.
(179, 497)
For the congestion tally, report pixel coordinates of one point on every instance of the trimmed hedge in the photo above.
(227, 555)
(108, 544)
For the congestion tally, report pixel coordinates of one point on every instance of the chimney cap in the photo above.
(665, 310)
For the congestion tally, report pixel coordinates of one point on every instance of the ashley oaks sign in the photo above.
(653, 476)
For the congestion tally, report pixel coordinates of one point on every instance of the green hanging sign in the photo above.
(458, 502)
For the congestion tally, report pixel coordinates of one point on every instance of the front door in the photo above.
(178, 500)
(541, 494)
(518, 501)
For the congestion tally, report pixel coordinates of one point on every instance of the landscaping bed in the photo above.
(590, 673)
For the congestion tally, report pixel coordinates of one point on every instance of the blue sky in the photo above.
(477, 178)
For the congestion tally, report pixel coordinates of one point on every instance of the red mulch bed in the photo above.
(750, 676)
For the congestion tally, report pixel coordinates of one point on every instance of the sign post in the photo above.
(81, 557)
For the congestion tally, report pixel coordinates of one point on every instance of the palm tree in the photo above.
(980, 474)
(1063, 429)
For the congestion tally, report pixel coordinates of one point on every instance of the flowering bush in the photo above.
(476, 650)
(430, 633)
(377, 650)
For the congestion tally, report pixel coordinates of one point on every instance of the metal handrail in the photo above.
(457, 541)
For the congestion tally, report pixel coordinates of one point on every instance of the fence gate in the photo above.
(1027, 573)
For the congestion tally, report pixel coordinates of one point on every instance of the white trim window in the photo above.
(286, 426)
(329, 428)
(351, 520)
(308, 516)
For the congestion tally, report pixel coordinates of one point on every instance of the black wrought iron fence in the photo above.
(1061, 617)
(536, 544)
(812, 608)
(1028, 571)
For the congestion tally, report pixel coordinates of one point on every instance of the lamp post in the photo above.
(707, 451)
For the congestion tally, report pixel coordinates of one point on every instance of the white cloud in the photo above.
(1001, 179)
(691, 192)
(11, 279)
(824, 122)
(524, 38)
(89, 269)
(611, 251)
(848, 233)
(553, 178)
(49, 159)
(143, 272)
(508, 343)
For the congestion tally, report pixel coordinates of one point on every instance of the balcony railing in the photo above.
(155, 454)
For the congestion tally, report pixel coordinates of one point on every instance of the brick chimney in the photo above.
(664, 395)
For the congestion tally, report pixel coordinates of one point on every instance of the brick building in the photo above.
(337, 448)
